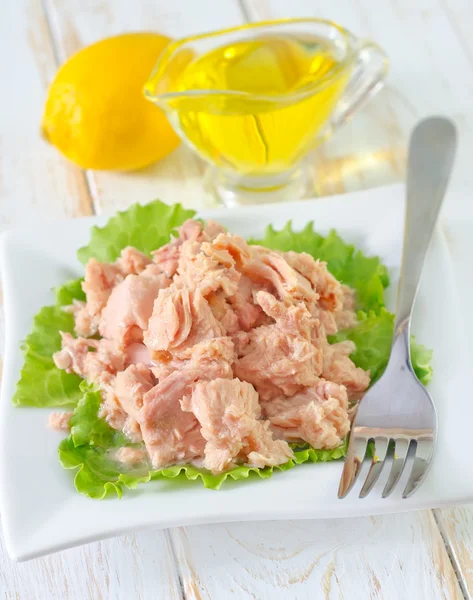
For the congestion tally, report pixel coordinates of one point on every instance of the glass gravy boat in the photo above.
(231, 97)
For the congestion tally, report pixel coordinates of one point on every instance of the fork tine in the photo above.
(377, 464)
(399, 460)
(422, 460)
(353, 461)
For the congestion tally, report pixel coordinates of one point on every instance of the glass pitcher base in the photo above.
(246, 191)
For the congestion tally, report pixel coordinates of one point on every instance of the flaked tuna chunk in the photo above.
(197, 231)
(130, 387)
(211, 231)
(230, 322)
(85, 324)
(328, 389)
(346, 317)
(338, 367)
(178, 329)
(211, 358)
(167, 257)
(164, 364)
(242, 302)
(327, 321)
(317, 415)
(190, 230)
(240, 340)
(180, 320)
(60, 421)
(343, 317)
(138, 353)
(132, 261)
(223, 312)
(111, 409)
(228, 412)
(130, 457)
(89, 358)
(207, 268)
(234, 245)
(276, 362)
(271, 267)
(171, 321)
(171, 436)
(100, 279)
(292, 319)
(130, 306)
(323, 282)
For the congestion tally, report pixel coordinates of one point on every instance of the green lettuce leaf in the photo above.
(68, 292)
(421, 358)
(87, 428)
(99, 476)
(364, 274)
(145, 227)
(41, 383)
(373, 337)
(90, 447)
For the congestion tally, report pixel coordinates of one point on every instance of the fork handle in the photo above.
(431, 152)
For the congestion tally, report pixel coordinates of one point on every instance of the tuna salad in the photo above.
(213, 352)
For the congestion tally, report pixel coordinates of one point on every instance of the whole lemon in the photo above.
(95, 112)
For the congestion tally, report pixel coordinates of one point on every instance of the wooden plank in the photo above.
(456, 527)
(428, 85)
(456, 523)
(382, 162)
(138, 567)
(135, 566)
(377, 558)
(225, 567)
(75, 24)
(424, 79)
(382, 557)
(33, 183)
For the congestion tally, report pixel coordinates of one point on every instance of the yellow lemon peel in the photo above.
(95, 112)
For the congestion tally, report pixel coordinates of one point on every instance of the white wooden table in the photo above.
(424, 555)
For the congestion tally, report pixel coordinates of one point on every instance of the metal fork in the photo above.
(398, 411)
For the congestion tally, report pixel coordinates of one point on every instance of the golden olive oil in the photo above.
(263, 101)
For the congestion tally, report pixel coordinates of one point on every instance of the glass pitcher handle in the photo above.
(370, 68)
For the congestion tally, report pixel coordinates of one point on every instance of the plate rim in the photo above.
(14, 549)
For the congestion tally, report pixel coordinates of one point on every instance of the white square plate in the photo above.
(42, 512)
